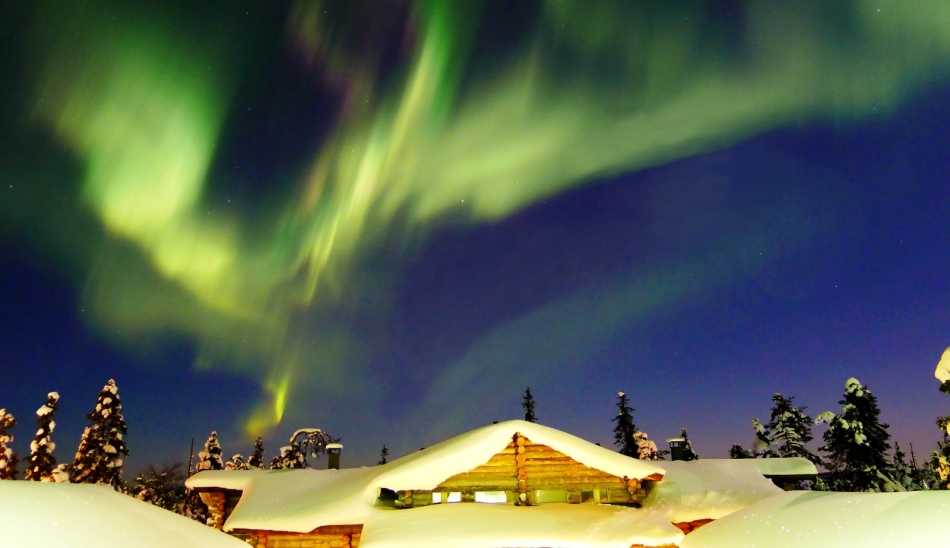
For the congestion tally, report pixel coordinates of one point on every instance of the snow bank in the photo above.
(76, 515)
(712, 488)
(487, 525)
(810, 518)
(428, 468)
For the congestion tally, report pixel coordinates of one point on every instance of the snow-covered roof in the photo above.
(811, 518)
(789, 466)
(428, 468)
(302, 500)
(74, 514)
(563, 525)
(223, 479)
(712, 488)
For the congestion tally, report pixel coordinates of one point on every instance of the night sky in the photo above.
(386, 219)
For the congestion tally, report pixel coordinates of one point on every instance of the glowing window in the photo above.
(551, 495)
(436, 498)
(491, 497)
(454, 496)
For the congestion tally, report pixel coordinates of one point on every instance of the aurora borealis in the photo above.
(381, 217)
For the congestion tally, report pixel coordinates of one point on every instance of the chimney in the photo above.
(677, 448)
(333, 455)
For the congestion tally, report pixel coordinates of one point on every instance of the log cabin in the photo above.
(513, 483)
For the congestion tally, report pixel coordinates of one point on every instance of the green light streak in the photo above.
(143, 109)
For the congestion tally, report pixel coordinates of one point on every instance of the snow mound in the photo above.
(810, 518)
(78, 515)
(712, 488)
(490, 526)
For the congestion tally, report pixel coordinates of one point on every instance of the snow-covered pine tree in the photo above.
(210, 457)
(856, 442)
(256, 460)
(903, 474)
(102, 447)
(42, 462)
(164, 488)
(739, 452)
(383, 455)
(646, 448)
(789, 429)
(527, 402)
(688, 452)
(625, 428)
(8, 458)
(236, 463)
(763, 440)
(938, 471)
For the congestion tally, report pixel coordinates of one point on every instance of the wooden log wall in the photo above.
(330, 536)
(523, 468)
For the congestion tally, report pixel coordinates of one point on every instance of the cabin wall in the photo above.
(330, 536)
(527, 473)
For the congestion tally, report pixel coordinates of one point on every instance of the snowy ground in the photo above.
(811, 518)
(77, 515)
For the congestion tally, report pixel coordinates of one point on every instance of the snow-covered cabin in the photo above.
(527, 485)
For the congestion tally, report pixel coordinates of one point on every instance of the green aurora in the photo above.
(450, 137)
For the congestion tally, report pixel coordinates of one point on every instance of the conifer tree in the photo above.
(164, 488)
(101, 450)
(939, 469)
(8, 458)
(790, 429)
(688, 452)
(625, 428)
(901, 471)
(646, 448)
(236, 463)
(739, 452)
(210, 457)
(383, 454)
(256, 460)
(527, 402)
(42, 462)
(856, 442)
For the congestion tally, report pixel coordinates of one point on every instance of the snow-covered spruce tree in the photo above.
(763, 440)
(304, 442)
(739, 452)
(236, 463)
(789, 429)
(939, 467)
(902, 472)
(256, 460)
(688, 452)
(42, 462)
(625, 428)
(383, 455)
(527, 402)
(8, 458)
(210, 457)
(856, 442)
(102, 447)
(646, 448)
(164, 488)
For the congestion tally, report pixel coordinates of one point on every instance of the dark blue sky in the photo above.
(785, 261)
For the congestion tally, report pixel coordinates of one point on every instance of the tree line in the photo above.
(856, 443)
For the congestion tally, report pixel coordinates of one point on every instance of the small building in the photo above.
(513, 483)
